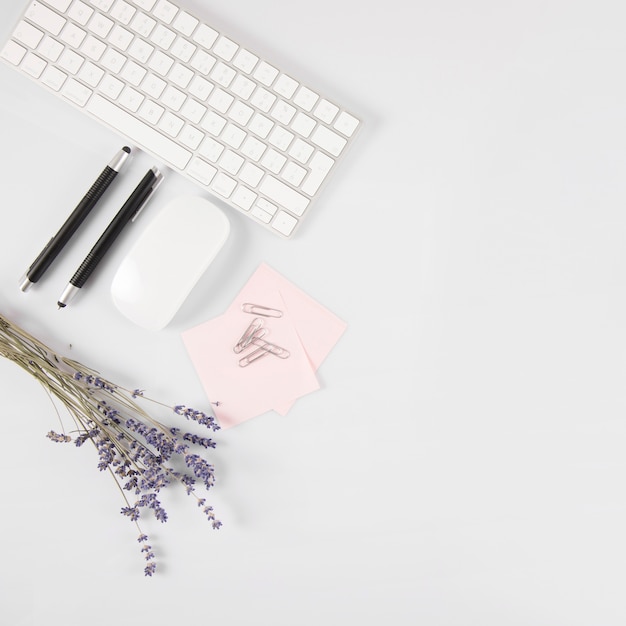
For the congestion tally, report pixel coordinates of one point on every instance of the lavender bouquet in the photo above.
(142, 455)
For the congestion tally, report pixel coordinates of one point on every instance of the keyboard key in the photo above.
(240, 113)
(79, 12)
(223, 185)
(242, 87)
(185, 23)
(50, 48)
(245, 61)
(133, 73)
(123, 12)
(91, 74)
(142, 134)
(151, 112)
(193, 110)
(211, 149)
(111, 86)
(222, 74)
(280, 138)
(213, 123)
(33, 65)
(163, 37)
(93, 48)
(267, 206)
(171, 124)
(53, 78)
(59, 5)
(265, 73)
(44, 17)
(233, 136)
(173, 98)
(225, 48)
(253, 148)
(147, 5)
(72, 35)
(346, 124)
(326, 111)
(27, 34)
(263, 99)
(283, 112)
(76, 92)
(260, 125)
(201, 171)
(320, 166)
(70, 61)
(153, 86)
(191, 137)
(305, 98)
(284, 223)
(328, 140)
(231, 162)
(293, 174)
(285, 86)
(140, 50)
(273, 160)
(243, 197)
(131, 99)
(100, 25)
(120, 37)
(303, 124)
(165, 11)
(200, 88)
(160, 63)
(203, 62)
(182, 49)
(205, 36)
(251, 174)
(180, 75)
(220, 100)
(113, 60)
(284, 195)
(104, 5)
(142, 24)
(261, 214)
(13, 52)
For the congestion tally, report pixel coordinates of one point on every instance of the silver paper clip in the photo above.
(253, 356)
(272, 348)
(254, 330)
(258, 309)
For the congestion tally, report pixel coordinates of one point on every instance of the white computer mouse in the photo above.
(168, 259)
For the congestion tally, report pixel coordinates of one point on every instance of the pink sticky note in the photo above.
(318, 328)
(305, 329)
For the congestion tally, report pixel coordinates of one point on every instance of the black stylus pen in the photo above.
(56, 244)
(131, 209)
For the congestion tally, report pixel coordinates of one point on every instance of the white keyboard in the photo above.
(192, 97)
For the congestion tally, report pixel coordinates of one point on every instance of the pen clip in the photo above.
(157, 181)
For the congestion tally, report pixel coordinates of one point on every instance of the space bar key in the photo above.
(143, 135)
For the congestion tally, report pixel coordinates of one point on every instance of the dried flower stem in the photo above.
(138, 450)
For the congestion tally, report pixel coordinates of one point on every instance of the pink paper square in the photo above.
(306, 329)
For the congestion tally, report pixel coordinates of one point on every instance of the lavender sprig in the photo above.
(143, 455)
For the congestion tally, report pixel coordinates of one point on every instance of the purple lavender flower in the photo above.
(201, 469)
(58, 438)
(197, 416)
(138, 450)
(131, 511)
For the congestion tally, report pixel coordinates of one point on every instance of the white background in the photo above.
(463, 463)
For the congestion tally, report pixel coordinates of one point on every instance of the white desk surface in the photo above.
(463, 462)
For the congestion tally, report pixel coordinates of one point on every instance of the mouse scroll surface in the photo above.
(168, 259)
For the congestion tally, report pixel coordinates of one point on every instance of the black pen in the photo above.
(56, 244)
(131, 209)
